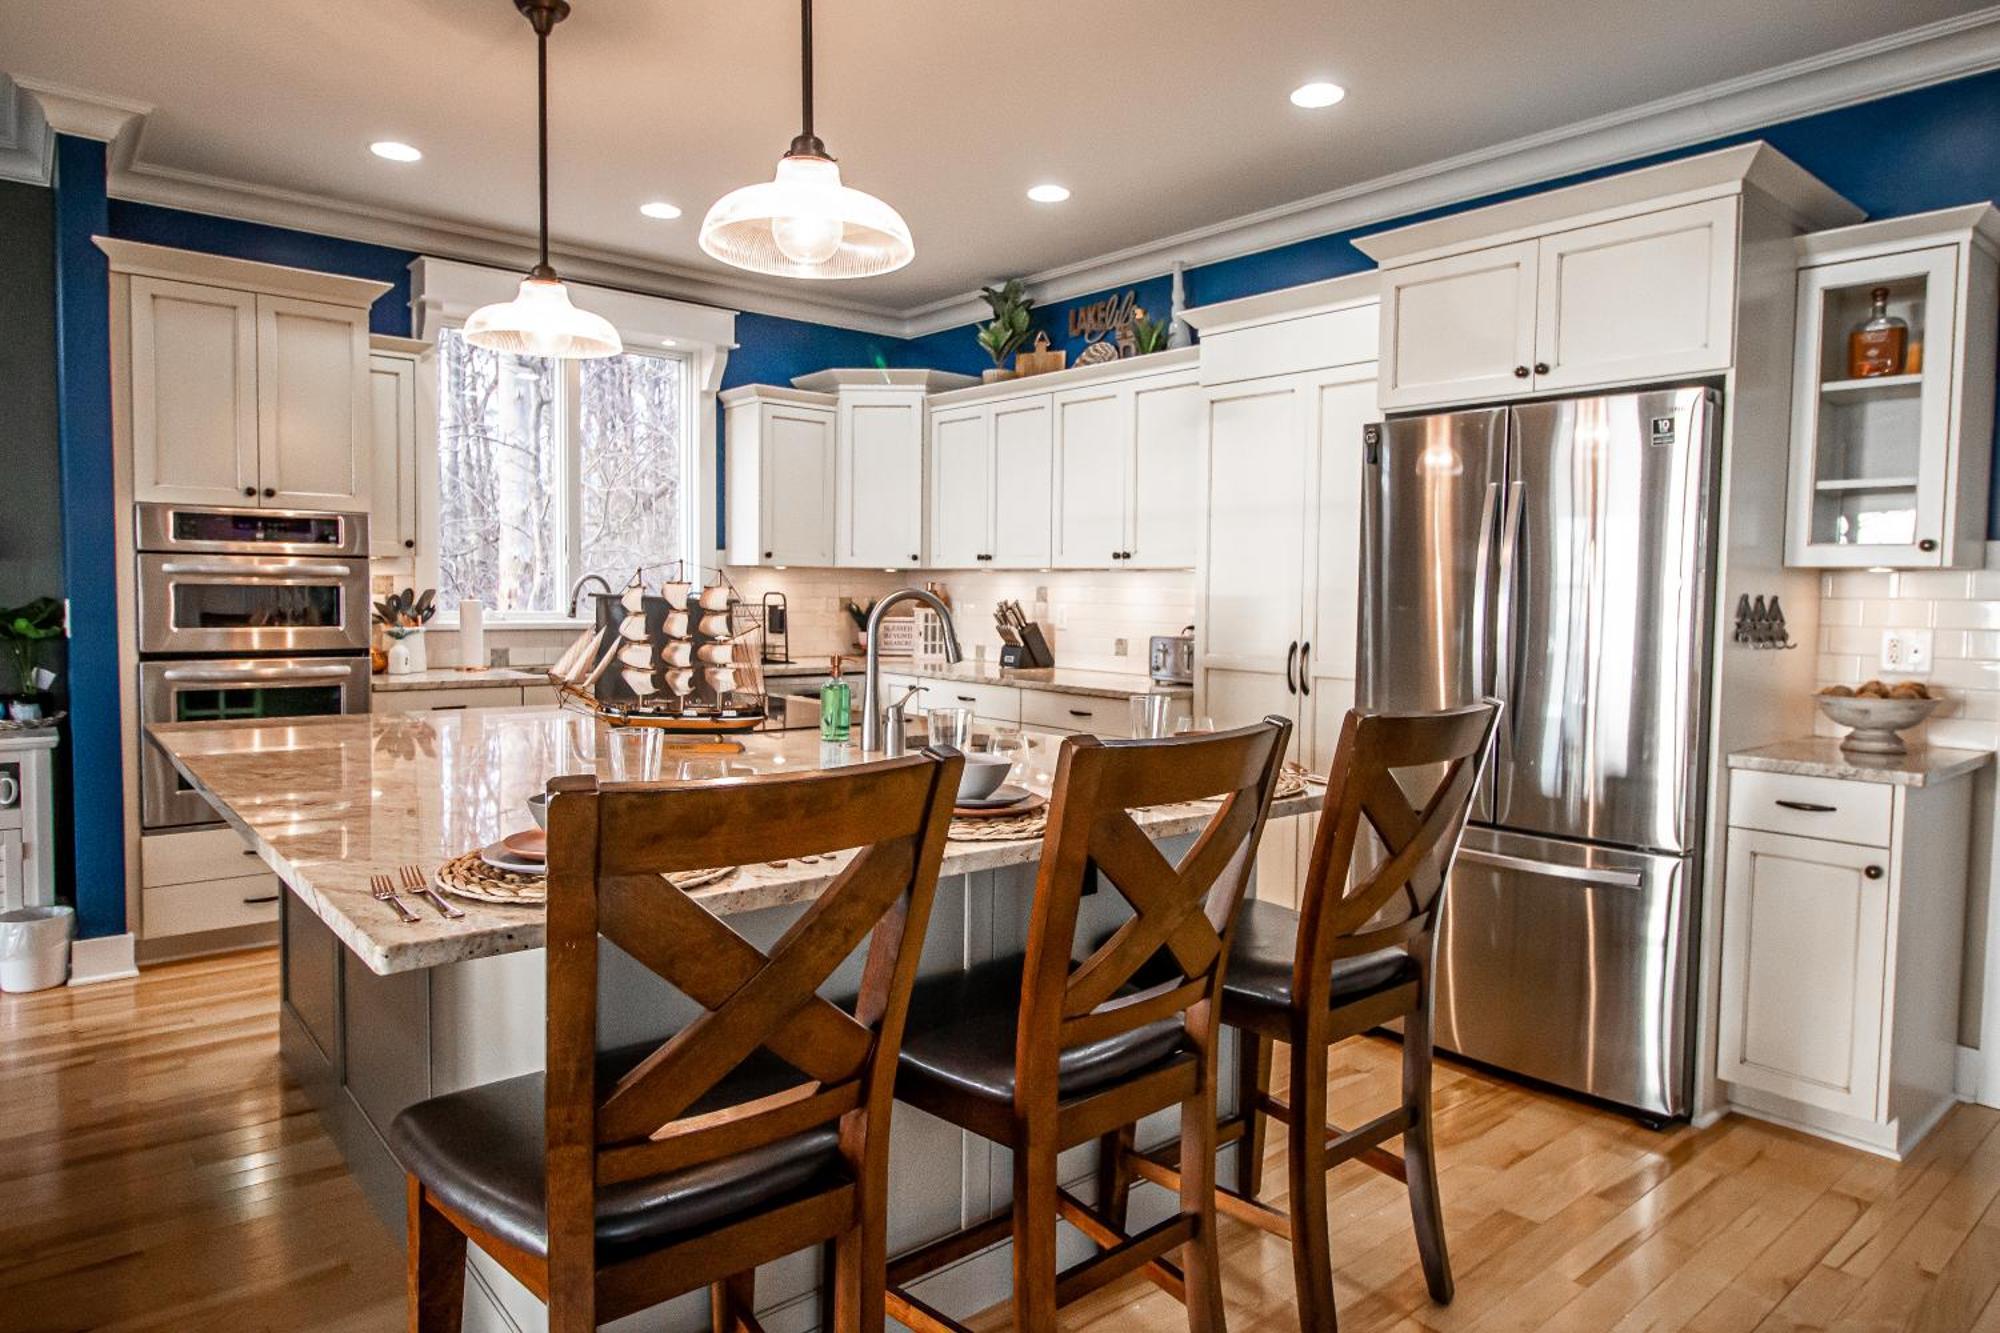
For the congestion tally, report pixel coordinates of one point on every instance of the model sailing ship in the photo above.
(680, 659)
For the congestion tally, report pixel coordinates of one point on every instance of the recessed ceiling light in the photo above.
(660, 209)
(395, 152)
(1316, 95)
(1048, 194)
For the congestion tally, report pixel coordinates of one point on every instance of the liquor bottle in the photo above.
(835, 700)
(1879, 344)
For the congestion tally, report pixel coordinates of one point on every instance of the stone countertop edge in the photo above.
(458, 678)
(1822, 757)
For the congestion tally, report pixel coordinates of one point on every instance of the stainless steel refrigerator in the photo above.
(1554, 555)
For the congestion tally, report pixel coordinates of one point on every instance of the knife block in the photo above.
(1032, 651)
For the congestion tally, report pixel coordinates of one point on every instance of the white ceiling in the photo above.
(1161, 115)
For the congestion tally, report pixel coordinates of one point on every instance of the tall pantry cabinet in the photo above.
(1289, 382)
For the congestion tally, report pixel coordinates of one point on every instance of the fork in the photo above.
(385, 892)
(415, 881)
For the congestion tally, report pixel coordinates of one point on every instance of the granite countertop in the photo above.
(1057, 680)
(1822, 757)
(459, 678)
(328, 801)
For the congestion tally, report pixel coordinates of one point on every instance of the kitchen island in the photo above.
(377, 1014)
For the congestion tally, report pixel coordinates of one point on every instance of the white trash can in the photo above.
(34, 948)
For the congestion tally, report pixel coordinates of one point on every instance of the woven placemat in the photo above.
(469, 876)
(1000, 830)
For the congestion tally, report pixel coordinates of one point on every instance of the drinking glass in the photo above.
(950, 726)
(1149, 713)
(634, 753)
(702, 770)
(1185, 725)
(1008, 743)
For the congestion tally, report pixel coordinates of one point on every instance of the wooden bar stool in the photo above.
(1358, 954)
(1042, 1053)
(629, 1177)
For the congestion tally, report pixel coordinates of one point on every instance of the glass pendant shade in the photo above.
(540, 321)
(805, 224)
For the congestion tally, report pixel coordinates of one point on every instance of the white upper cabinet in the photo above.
(392, 509)
(1023, 455)
(1624, 280)
(879, 480)
(1092, 442)
(1647, 297)
(1891, 468)
(313, 405)
(1165, 473)
(781, 476)
(193, 372)
(1459, 329)
(243, 384)
(961, 488)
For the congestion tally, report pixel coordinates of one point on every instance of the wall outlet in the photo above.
(1118, 647)
(1907, 652)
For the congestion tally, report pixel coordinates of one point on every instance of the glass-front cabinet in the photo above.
(1892, 417)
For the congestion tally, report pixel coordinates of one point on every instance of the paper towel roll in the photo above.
(471, 634)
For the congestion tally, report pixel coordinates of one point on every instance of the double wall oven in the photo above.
(244, 613)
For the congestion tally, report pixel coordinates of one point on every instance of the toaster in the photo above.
(1171, 661)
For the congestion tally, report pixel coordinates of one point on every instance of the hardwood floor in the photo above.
(155, 1173)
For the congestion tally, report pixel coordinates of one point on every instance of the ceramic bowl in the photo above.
(983, 775)
(538, 806)
(1875, 722)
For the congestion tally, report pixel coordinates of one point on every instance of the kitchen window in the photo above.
(550, 470)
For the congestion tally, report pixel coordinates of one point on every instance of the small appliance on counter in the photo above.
(1022, 642)
(1171, 660)
(777, 630)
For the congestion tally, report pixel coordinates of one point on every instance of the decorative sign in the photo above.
(1106, 323)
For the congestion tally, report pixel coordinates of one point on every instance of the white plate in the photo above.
(999, 799)
(497, 856)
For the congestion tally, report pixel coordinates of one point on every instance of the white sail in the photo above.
(676, 624)
(675, 594)
(714, 625)
(681, 681)
(567, 662)
(638, 656)
(632, 628)
(715, 597)
(639, 682)
(634, 597)
(678, 654)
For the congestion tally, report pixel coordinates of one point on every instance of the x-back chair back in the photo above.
(608, 848)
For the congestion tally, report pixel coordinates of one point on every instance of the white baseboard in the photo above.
(1966, 1081)
(106, 958)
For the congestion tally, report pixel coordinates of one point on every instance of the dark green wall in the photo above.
(30, 486)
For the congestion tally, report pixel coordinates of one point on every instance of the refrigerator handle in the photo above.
(1510, 537)
(1617, 879)
(1483, 562)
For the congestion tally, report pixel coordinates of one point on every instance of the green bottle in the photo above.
(835, 707)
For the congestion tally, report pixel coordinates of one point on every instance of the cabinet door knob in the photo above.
(1541, 367)
(409, 543)
(1927, 544)
(250, 492)
(1873, 872)
(767, 555)
(1520, 372)
(914, 557)
(270, 492)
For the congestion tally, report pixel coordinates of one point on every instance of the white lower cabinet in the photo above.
(202, 880)
(1843, 918)
(455, 697)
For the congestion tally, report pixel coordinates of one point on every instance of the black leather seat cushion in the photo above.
(1260, 963)
(961, 1033)
(481, 1152)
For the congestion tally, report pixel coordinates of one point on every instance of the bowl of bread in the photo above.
(1876, 712)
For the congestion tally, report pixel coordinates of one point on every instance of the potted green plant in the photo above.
(24, 629)
(1008, 329)
(1149, 335)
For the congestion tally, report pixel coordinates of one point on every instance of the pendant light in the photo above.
(540, 321)
(805, 223)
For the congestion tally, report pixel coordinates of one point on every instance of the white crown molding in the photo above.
(27, 148)
(1899, 62)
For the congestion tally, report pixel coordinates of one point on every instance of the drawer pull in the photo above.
(249, 851)
(967, 698)
(272, 897)
(1872, 872)
(1810, 807)
(1081, 712)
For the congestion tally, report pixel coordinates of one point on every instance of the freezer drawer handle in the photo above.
(1620, 879)
(1810, 807)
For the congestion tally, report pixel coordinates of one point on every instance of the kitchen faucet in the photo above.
(871, 686)
(576, 590)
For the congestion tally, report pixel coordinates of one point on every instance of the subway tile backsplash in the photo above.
(1962, 611)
